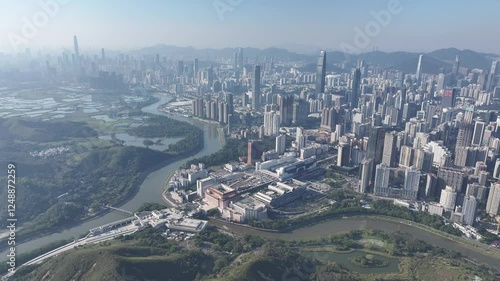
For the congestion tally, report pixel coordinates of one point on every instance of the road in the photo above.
(109, 235)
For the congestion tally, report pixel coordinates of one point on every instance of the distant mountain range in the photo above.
(404, 61)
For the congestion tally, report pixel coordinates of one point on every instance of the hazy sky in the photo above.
(417, 25)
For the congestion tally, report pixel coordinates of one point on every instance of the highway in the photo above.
(89, 239)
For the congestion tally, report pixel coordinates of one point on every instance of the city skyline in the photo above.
(333, 27)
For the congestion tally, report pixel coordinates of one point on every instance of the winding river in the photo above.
(151, 191)
(329, 227)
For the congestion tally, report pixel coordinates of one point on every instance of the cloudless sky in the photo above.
(422, 25)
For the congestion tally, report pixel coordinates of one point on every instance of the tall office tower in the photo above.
(401, 80)
(381, 183)
(210, 75)
(75, 45)
(285, 103)
(493, 78)
(240, 58)
(343, 155)
(493, 204)
(103, 55)
(77, 55)
(300, 111)
(356, 82)
(448, 198)
(456, 65)
(271, 123)
(280, 144)
(180, 68)
(228, 98)
(196, 70)
(366, 166)
(328, 119)
(465, 133)
(256, 88)
(477, 137)
(389, 155)
(376, 144)
(235, 60)
(411, 183)
(419, 70)
(469, 210)
(254, 151)
(496, 171)
(449, 97)
(440, 82)
(320, 73)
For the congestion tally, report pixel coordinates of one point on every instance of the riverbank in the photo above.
(27, 237)
(336, 226)
(148, 191)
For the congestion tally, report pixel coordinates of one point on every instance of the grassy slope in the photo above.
(39, 131)
(120, 262)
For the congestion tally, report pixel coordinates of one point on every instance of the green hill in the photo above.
(42, 131)
(123, 262)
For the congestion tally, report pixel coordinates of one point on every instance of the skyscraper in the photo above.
(280, 144)
(493, 77)
(77, 55)
(300, 111)
(411, 183)
(180, 68)
(449, 97)
(456, 65)
(493, 204)
(356, 82)
(196, 69)
(469, 210)
(477, 137)
(406, 157)
(366, 166)
(300, 138)
(381, 184)
(321, 73)
(328, 119)
(496, 170)
(285, 103)
(465, 134)
(103, 55)
(448, 198)
(240, 57)
(75, 44)
(419, 70)
(256, 88)
(343, 154)
(271, 123)
(376, 144)
(390, 151)
(254, 151)
(235, 60)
